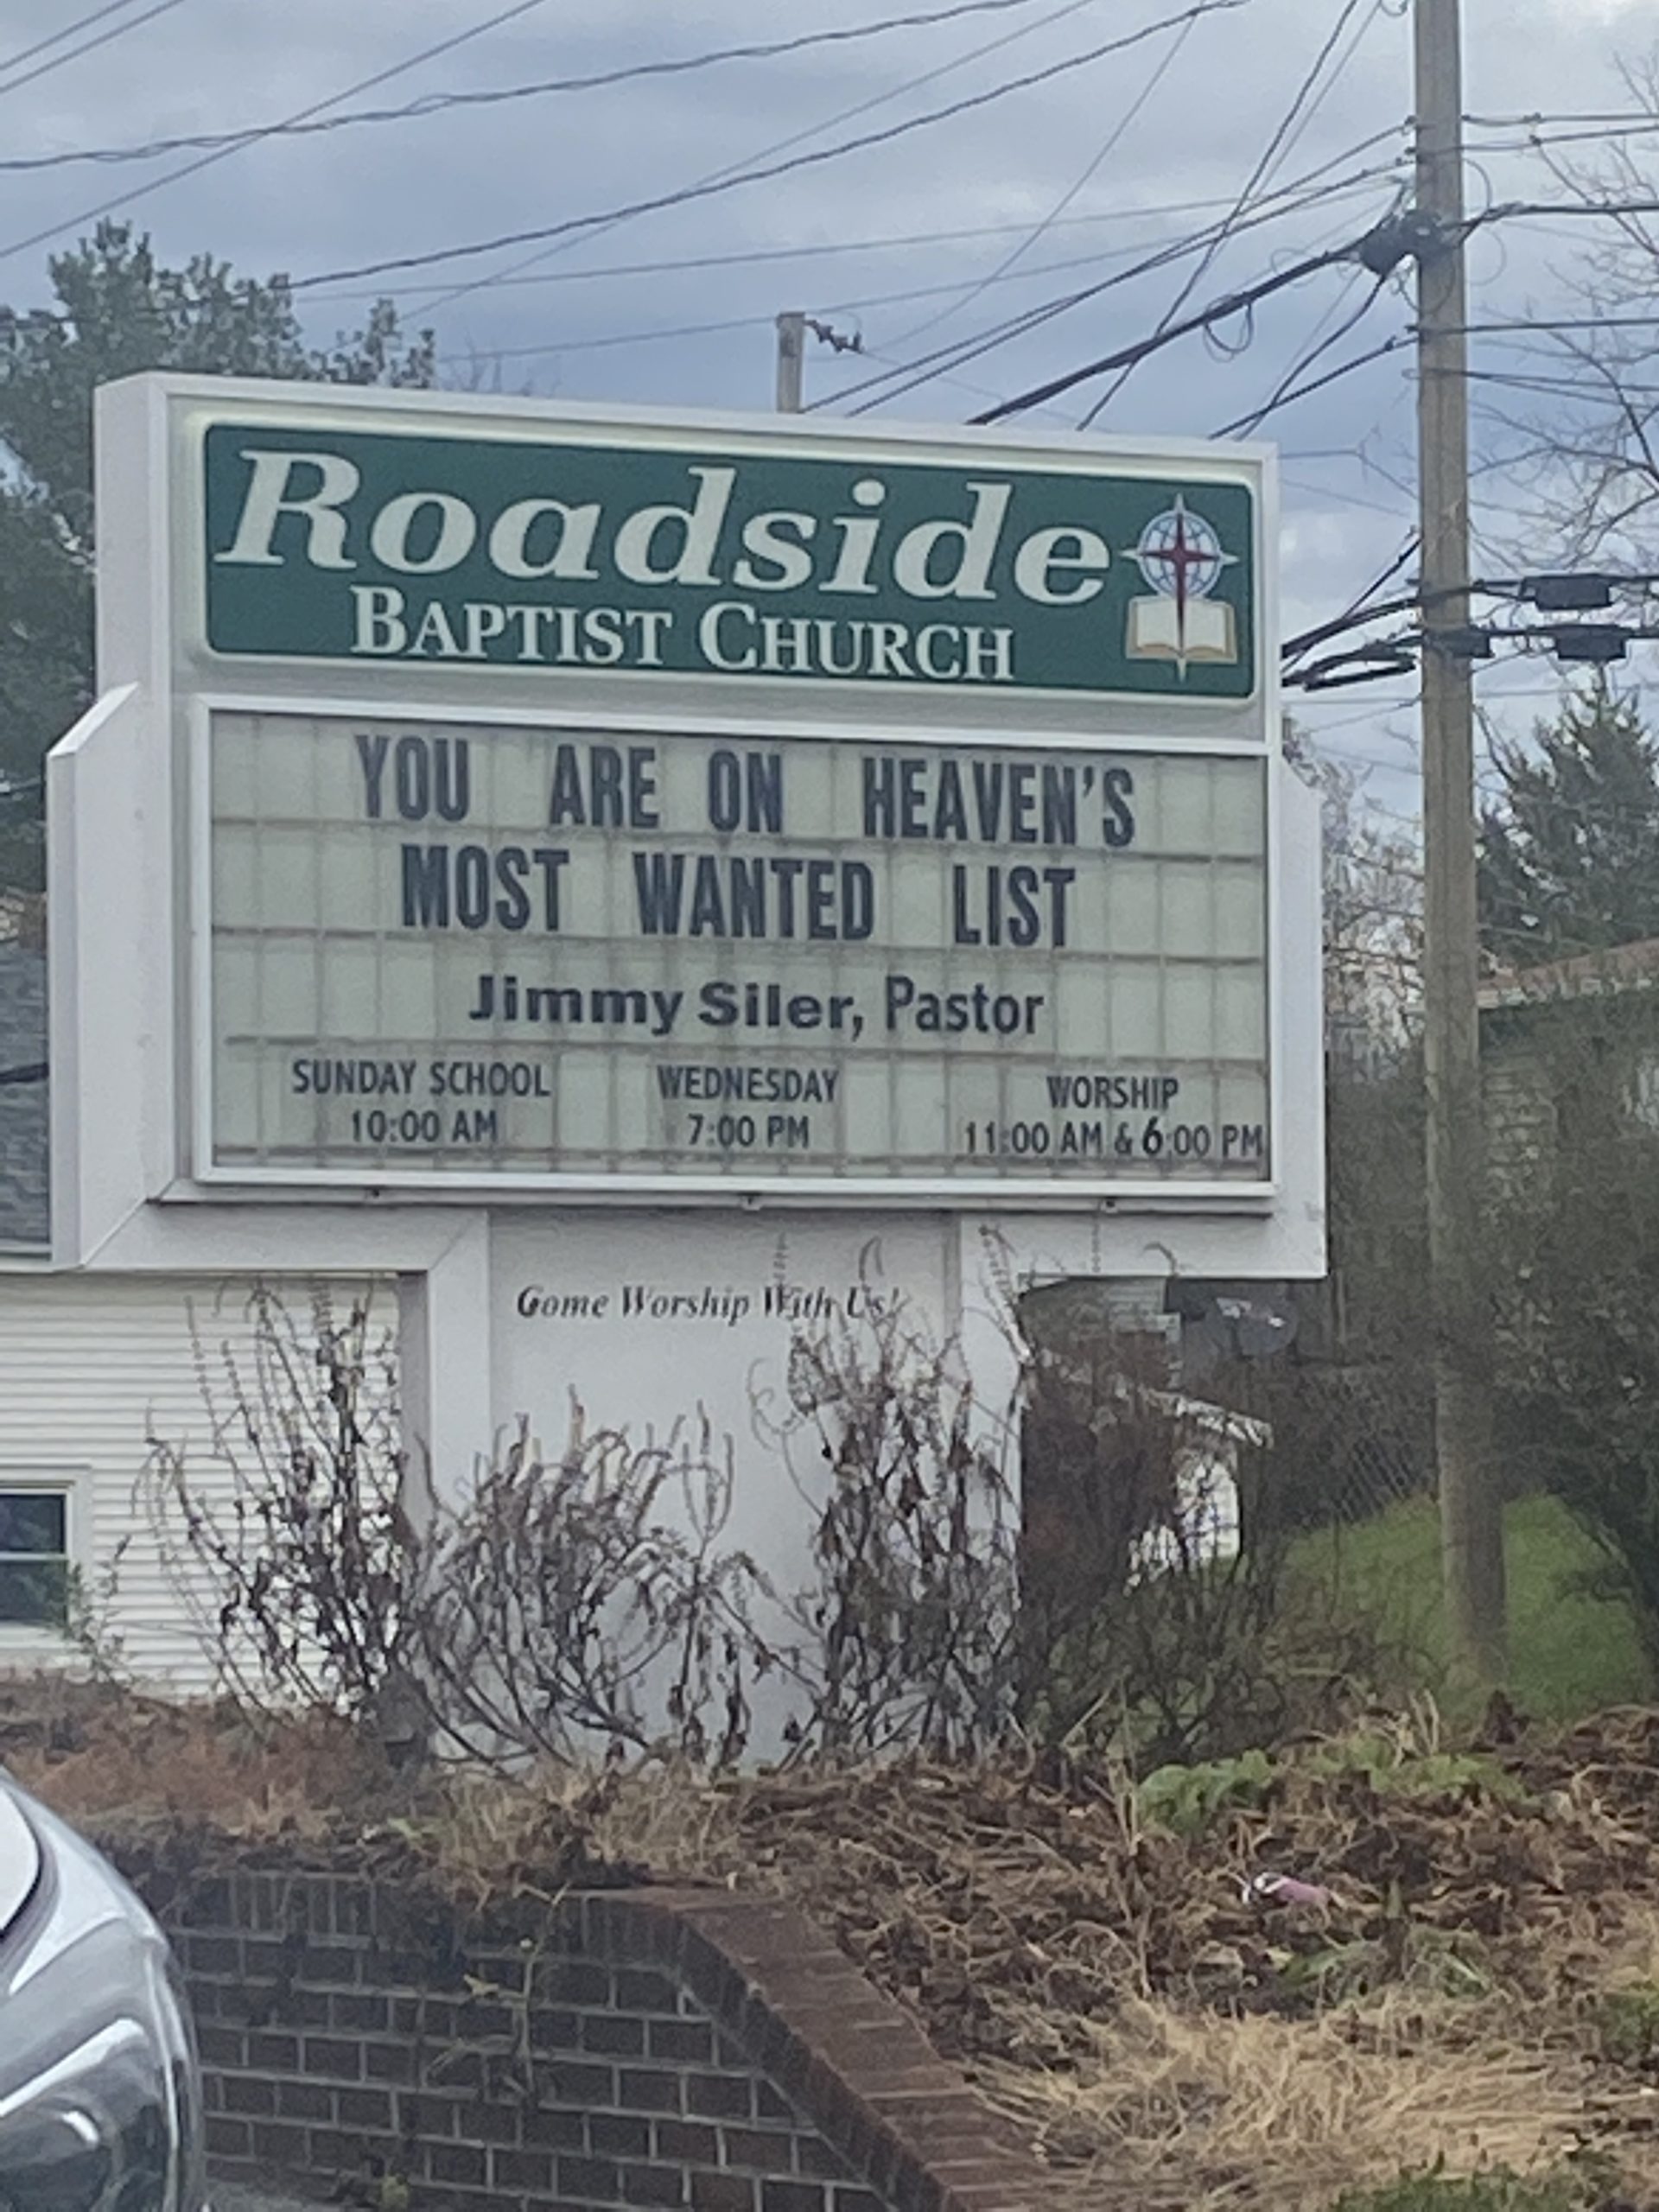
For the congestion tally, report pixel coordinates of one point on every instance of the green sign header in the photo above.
(337, 544)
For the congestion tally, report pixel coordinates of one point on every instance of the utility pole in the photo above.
(791, 360)
(1471, 1505)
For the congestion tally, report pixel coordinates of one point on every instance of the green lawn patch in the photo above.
(1572, 1653)
(1567, 2189)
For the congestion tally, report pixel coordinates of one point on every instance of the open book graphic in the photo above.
(1162, 629)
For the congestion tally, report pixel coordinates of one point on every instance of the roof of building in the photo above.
(1589, 975)
(25, 1217)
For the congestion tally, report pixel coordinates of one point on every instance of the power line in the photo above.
(1289, 199)
(1288, 389)
(929, 367)
(1540, 117)
(1362, 607)
(252, 138)
(775, 147)
(1554, 324)
(57, 38)
(1258, 177)
(650, 333)
(685, 194)
(1131, 356)
(442, 103)
(1325, 494)
(1520, 210)
(1107, 146)
(1562, 387)
(838, 247)
(1034, 318)
(1241, 301)
(90, 45)
(654, 333)
(1284, 398)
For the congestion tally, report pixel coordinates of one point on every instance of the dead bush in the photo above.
(906, 1632)
(587, 1598)
(288, 1537)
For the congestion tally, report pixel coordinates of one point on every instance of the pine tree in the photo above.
(1569, 853)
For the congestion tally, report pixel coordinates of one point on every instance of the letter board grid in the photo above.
(453, 953)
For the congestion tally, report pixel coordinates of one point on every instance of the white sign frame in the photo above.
(979, 1195)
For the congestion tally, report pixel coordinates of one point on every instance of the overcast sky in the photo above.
(1110, 160)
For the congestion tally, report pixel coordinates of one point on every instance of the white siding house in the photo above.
(89, 1368)
(92, 1367)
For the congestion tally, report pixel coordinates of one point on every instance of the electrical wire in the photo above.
(650, 332)
(1562, 387)
(773, 147)
(1558, 323)
(969, 349)
(838, 247)
(686, 194)
(962, 351)
(56, 38)
(1033, 320)
(1318, 346)
(1258, 177)
(442, 103)
(254, 136)
(90, 45)
(1239, 302)
(1325, 494)
(1288, 199)
(1131, 356)
(1362, 607)
(1305, 390)
(1521, 210)
(1539, 117)
(1107, 148)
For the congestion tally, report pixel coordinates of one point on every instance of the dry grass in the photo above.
(1186, 2110)
(107, 1758)
(1165, 2041)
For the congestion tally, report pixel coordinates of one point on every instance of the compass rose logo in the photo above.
(1181, 560)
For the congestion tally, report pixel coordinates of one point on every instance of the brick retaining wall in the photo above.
(637, 2048)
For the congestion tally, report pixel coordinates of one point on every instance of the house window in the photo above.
(34, 1557)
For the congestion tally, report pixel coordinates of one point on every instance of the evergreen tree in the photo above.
(116, 311)
(1569, 852)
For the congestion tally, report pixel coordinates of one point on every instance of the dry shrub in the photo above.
(109, 1758)
(589, 1595)
(588, 1598)
(288, 1541)
(907, 1632)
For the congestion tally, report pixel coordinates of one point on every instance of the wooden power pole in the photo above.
(1471, 1504)
(791, 361)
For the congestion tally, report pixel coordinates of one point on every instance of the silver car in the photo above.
(100, 2098)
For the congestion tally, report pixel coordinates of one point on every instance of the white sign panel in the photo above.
(519, 954)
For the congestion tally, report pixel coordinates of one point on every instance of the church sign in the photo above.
(810, 562)
(529, 804)
(541, 952)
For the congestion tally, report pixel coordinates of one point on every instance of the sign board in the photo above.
(506, 804)
(768, 558)
(550, 954)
